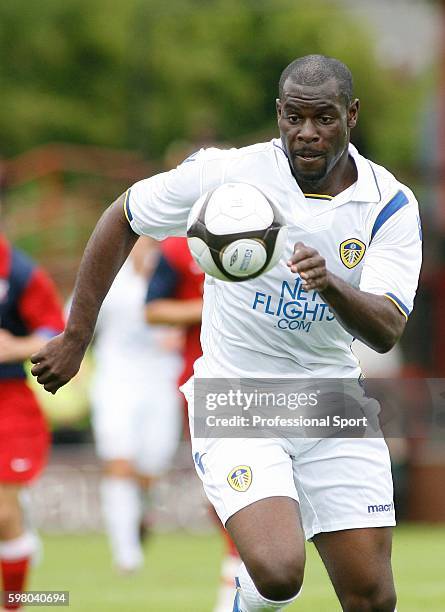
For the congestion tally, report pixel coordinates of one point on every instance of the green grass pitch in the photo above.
(181, 574)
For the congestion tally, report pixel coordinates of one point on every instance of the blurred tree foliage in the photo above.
(142, 73)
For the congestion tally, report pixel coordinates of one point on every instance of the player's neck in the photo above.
(342, 176)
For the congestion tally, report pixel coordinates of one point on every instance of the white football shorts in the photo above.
(138, 422)
(339, 483)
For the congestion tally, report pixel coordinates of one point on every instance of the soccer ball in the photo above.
(235, 232)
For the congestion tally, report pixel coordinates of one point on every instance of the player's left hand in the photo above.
(58, 361)
(310, 265)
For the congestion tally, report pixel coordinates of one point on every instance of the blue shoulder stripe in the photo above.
(397, 202)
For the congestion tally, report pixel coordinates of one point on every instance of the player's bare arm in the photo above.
(371, 318)
(106, 251)
(174, 312)
(18, 348)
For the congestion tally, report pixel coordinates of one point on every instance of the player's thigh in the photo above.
(359, 565)
(9, 494)
(158, 428)
(10, 510)
(250, 484)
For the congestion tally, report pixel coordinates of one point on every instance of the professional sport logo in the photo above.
(351, 252)
(240, 478)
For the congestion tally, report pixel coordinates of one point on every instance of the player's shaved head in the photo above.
(314, 70)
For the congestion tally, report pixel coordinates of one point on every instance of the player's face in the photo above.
(315, 124)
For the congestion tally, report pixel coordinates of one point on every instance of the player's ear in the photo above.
(353, 113)
(278, 107)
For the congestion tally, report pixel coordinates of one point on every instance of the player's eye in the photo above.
(325, 119)
(292, 119)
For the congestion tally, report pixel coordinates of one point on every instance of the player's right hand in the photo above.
(311, 266)
(57, 362)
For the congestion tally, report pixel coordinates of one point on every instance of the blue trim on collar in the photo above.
(279, 147)
(376, 181)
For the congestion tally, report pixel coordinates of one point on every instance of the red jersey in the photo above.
(28, 304)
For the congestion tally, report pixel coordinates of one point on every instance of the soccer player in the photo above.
(350, 269)
(174, 297)
(30, 314)
(135, 402)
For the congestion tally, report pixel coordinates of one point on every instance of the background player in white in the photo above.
(136, 405)
(297, 320)
(175, 298)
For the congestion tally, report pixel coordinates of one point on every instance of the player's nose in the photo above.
(308, 132)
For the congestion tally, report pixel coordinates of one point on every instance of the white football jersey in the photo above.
(270, 326)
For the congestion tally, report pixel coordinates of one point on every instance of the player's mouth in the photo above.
(308, 156)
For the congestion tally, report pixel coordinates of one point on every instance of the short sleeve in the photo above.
(159, 206)
(392, 262)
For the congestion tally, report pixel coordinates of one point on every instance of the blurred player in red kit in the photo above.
(175, 298)
(30, 313)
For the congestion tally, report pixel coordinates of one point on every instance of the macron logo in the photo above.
(380, 508)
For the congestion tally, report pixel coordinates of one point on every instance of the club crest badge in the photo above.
(240, 478)
(351, 252)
